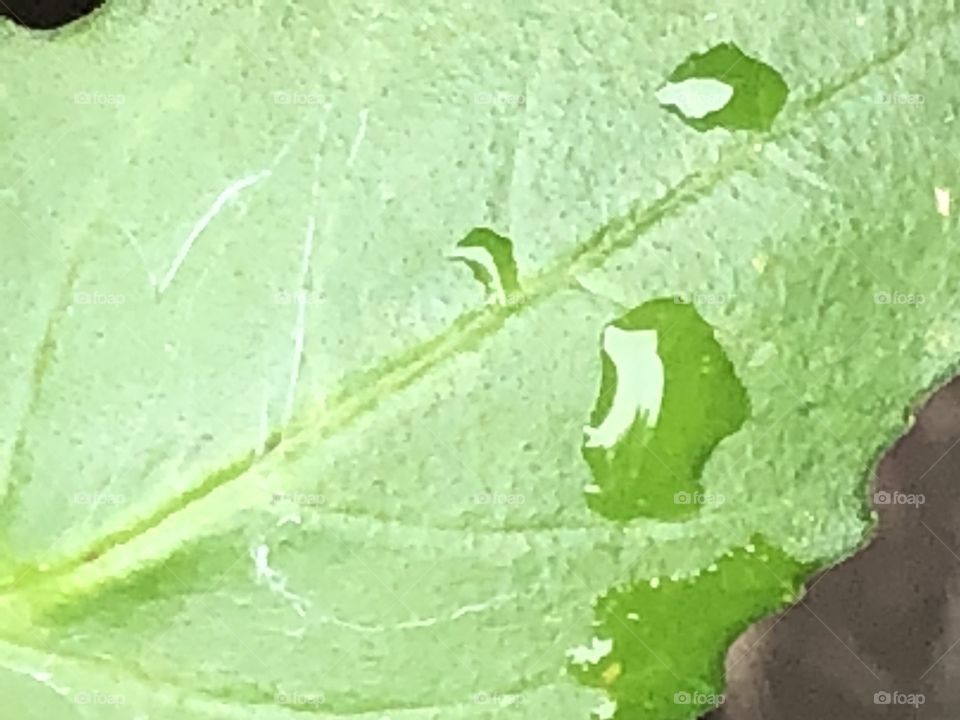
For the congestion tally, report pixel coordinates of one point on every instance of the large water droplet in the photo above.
(668, 395)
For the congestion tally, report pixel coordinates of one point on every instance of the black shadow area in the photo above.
(47, 14)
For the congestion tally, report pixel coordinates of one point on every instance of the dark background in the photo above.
(47, 14)
(887, 619)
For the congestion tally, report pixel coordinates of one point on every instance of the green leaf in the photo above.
(633, 622)
(268, 454)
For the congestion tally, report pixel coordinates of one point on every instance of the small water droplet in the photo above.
(490, 258)
(755, 95)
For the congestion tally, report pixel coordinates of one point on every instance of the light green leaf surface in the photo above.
(309, 469)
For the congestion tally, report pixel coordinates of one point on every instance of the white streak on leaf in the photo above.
(222, 199)
(45, 677)
(640, 380)
(284, 151)
(132, 239)
(358, 138)
(299, 328)
(478, 607)
(274, 580)
(460, 612)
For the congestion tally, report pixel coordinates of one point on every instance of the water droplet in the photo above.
(490, 258)
(694, 91)
(668, 395)
(689, 644)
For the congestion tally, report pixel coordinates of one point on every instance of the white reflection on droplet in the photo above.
(696, 97)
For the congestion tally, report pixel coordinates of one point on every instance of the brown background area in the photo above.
(885, 620)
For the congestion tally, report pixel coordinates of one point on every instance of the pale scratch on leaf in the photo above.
(471, 609)
(299, 328)
(132, 239)
(294, 138)
(222, 199)
(299, 331)
(219, 204)
(358, 138)
(275, 580)
(45, 678)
